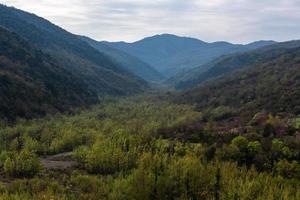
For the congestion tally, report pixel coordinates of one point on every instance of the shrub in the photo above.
(24, 164)
(288, 169)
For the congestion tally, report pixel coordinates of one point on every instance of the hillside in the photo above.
(129, 62)
(273, 86)
(170, 54)
(228, 64)
(94, 68)
(33, 84)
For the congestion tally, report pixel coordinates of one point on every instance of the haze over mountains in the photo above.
(170, 54)
(129, 62)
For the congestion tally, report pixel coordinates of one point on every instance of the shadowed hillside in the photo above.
(94, 68)
(273, 85)
(33, 84)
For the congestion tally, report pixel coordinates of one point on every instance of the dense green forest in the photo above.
(272, 86)
(133, 149)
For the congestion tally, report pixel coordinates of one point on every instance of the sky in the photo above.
(238, 21)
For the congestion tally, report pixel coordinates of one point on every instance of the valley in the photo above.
(142, 147)
(166, 117)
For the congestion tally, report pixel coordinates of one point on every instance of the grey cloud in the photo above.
(238, 21)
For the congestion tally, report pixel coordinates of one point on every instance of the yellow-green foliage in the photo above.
(120, 158)
(22, 164)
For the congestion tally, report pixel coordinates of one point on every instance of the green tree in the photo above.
(254, 148)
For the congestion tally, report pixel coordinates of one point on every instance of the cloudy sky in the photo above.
(238, 21)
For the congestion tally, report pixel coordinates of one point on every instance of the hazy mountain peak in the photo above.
(166, 37)
(260, 43)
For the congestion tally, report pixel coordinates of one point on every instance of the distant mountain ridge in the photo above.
(170, 54)
(229, 63)
(129, 62)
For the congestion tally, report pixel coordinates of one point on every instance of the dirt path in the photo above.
(61, 161)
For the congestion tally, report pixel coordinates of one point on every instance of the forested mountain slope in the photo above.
(273, 86)
(94, 68)
(33, 84)
(228, 64)
(170, 54)
(129, 62)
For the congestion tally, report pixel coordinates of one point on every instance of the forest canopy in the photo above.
(142, 148)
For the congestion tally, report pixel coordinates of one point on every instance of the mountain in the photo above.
(129, 62)
(33, 84)
(272, 85)
(101, 74)
(170, 54)
(229, 63)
